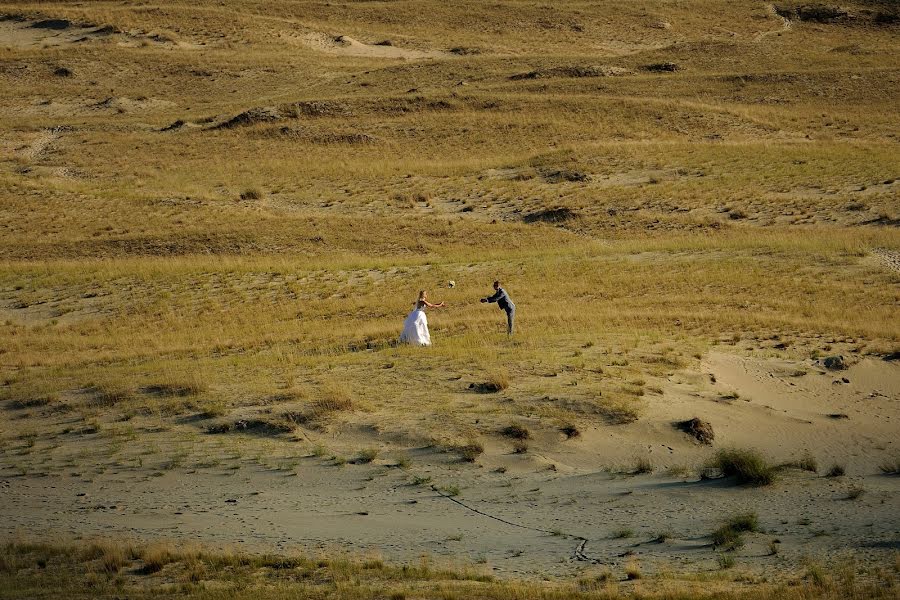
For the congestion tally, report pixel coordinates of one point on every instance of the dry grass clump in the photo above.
(266, 425)
(251, 194)
(618, 411)
(469, 451)
(807, 462)
(111, 556)
(570, 431)
(497, 380)
(836, 470)
(156, 556)
(745, 465)
(700, 430)
(855, 492)
(516, 431)
(729, 535)
(332, 397)
(36, 569)
(366, 456)
(642, 465)
(193, 385)
(107, 395)
(36, 401)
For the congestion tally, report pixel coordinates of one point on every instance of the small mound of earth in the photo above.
(819, 13)
(573, 71)
(56, 24)
(563, 175)
(318, 109)
(485, 388)
(834, 363)
(700, 430)
(344, 44)
(299, 133)
(551, 215)
(662, 67)
(265, 114)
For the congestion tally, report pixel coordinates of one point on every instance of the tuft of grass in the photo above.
(334, 396)
(808, 463)
(662, 537)
(570, 431)
(520, 447)
(642, 465)
(107, 395)
(251, 194)
(516, 431)
(621, 534)
(497, 380)
(836, 470)
(632, 571)
(855, 492)
(183, 387)
(450, 489)
(745, 465)
(366, 456)
(421, 480)
(726, 561)
(469, 451)
(156, 556)
(729, 535)
(33, 401)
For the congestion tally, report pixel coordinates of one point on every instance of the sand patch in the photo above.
(19, 32)
(348, 46)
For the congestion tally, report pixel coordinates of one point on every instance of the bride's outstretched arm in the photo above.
(430, 305)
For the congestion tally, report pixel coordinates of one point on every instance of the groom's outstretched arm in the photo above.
(497, 295)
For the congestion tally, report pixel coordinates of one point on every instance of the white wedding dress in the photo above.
(415, 328)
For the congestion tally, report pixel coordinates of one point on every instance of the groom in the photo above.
(504, 302)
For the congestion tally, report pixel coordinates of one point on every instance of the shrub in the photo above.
(855, 492)
(470, 451)
(497, 381)
(806, 463)
(520, 446)
(632, 571)
(155, 557)
(747, 466)
(366, 456)
(109, 395)
(570, 431)
(251, 194)
(642, 465)
(836, 470)
(519, 432)
(333, 397)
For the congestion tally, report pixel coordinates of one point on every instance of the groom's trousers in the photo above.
(510, 317)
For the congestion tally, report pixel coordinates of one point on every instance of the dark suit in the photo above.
(504, 302)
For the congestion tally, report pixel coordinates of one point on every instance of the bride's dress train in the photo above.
(415, 329)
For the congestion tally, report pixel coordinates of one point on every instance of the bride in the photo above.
(415, 327)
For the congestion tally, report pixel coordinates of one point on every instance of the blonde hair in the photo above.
(420, 302)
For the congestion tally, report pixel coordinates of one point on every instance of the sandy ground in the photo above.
(553, 511)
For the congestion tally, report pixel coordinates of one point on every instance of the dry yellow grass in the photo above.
(206, 213)
(108, 569)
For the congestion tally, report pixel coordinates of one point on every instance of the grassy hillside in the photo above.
(216, 214)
